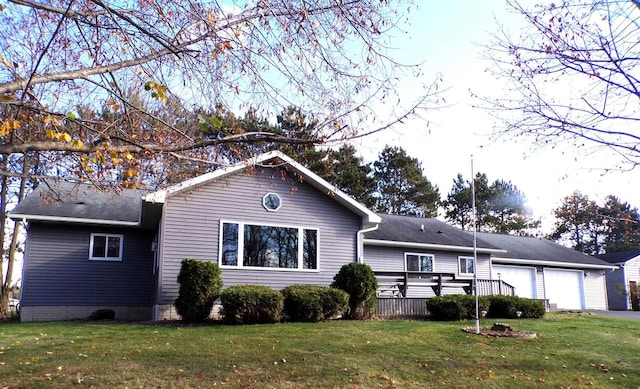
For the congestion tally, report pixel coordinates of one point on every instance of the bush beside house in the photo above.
(508, 306)
(200, 283)
(251, 304)
(455, 307)
(360, 282)
(311, 303)
(462, 307)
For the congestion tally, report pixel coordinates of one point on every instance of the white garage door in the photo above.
(523, 278)
(564, 288)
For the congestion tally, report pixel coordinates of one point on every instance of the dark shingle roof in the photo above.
(535, 249)
(61, 201)
(620, 257)
(410, 229)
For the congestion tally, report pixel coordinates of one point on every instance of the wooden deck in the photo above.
(397, 284)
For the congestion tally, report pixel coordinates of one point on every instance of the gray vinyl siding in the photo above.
(616, 286)
(382, 258)
(632, 271)
(191, 224)
(58, 272)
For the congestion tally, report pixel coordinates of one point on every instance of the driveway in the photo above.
(635, 315)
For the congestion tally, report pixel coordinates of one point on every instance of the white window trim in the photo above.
(433, 259)
(460, 269)
(105, 258)
(240, 264)
(264, 202)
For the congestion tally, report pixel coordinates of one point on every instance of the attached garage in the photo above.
(521, 277)
(542, 269)
(564, 288)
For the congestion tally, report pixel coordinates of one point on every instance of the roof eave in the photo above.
(430, 246)
(518, 261)
(63, 219)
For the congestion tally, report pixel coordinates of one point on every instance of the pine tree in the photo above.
(402, 189)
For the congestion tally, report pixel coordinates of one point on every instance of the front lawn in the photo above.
(573, 350)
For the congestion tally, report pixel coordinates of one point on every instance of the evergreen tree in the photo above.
(401, 187)
(341, 167)
(351, 175)
(293, 124)
(483, 195)
(595, 229)
(622, 225)
(458, 203)
(507, 210)
(500, 207)
(575, 220)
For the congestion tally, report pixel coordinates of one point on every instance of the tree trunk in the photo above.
(4, 292)
(13, 246)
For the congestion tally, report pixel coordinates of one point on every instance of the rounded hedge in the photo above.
(508, 306)
(251, 304)
(455, 307)
(462, 307)
(200, 284)
(311, 303)
(360, 282)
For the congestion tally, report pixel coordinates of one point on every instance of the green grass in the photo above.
(572, 351)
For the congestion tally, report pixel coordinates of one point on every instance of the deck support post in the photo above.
(406, 284)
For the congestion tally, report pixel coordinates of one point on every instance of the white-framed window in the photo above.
(466, 266)
(419, 262)
(271, 202)
(268, 246)
(106, 247)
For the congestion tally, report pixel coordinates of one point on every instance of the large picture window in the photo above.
(419, 262)
(265, 246)
(106, 247)
(466, 266)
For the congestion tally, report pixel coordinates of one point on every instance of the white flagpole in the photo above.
(475, 248)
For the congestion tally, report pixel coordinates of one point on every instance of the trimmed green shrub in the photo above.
(455, 307)
(359, 281)
(531, 309)
(311, 303)
(251, 304)
(462, 307)
(507, 306)
(200, 284)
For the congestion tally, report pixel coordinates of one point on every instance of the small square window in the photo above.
(466, 265)
(106, 247)
(415, 262)
(271, 202)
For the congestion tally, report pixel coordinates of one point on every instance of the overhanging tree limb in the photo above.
(573, 77)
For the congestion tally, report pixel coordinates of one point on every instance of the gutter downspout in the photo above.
(360, 242)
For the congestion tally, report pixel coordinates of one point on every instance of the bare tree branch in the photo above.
(573, 75)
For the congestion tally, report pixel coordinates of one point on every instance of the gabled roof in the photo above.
(620, 257)
(410, 231)
(542, 252)
(80, 203)
(83, 203)
(271, 158)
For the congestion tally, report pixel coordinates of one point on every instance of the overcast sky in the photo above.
(447, 37)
